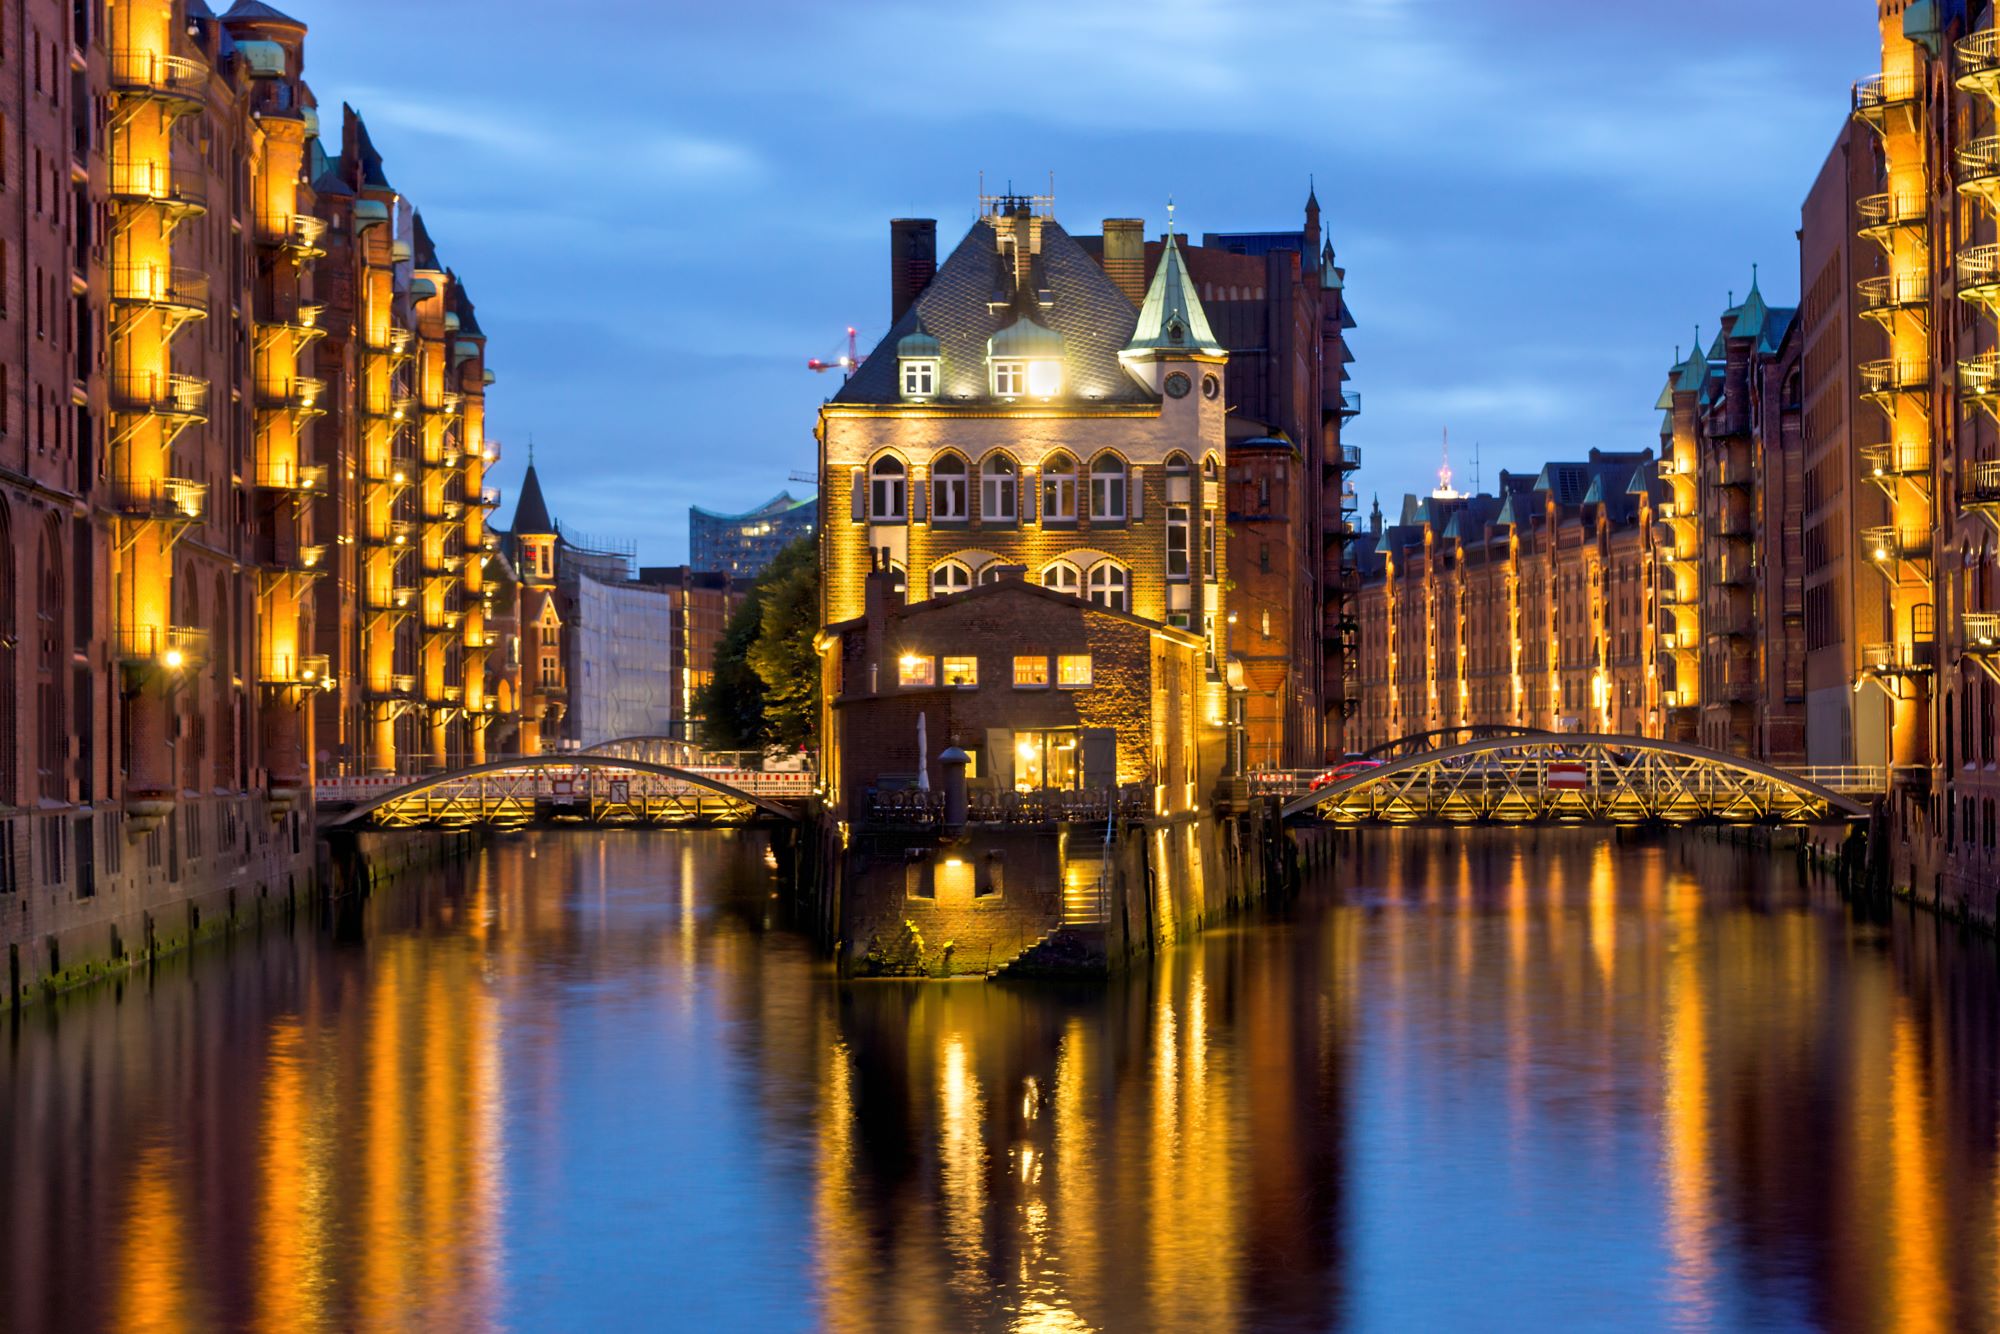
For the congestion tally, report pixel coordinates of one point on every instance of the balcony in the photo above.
(296, 394)
(1350, 406)
(394, 685)
(1732, 472)
(1736, 527)
(443, 566)
(179, 191)
(489, 497)
(444, 511)
(1887, 544)
(165, 499)
(1909, 458)
(1879, 94)
(1917, 659)
(1979, 63)
(173, 647)
(180, 291)
(1884, 214)
(1980, 631)
(1979, 274)
(388, 471)
(1979, 168)
(397, 598)
(289, 669)
(1892, 376)
(402, 342)
(148, 74)
(394, 533)
(480, 640)
(298, 234)
(1883, 297)
(444, 697)
(1731, 622)
(288, 476)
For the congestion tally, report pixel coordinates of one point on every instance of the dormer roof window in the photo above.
(1026, 360)
(917, 355)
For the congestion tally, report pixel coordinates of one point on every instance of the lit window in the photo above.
(916, 670)
(1073, 670)
(1107, 585)
(1061, 576)
(996, 490)
(919, 379)
(1044, 378)
(1010, 378)
(1031, 673)
(1208, 530)
(1107, 489)
(885, 489)
(1059, 489)
(950, 577)
(961, 671)
(948, 489)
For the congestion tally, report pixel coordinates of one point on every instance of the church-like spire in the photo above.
(1172, 318)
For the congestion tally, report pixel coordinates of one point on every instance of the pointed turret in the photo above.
(1752, 314)
(531, 512)
(1172, 318)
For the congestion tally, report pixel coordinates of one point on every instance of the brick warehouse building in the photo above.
(1023, 412)
(230, 341)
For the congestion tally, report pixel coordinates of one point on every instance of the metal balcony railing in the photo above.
(1981, 631)
(1878, 92)
(1979, 166)
(294, 393)
(289, 476)
(441, 618)
(1978, 59)
(300, 233)
(160, 394)
(1893, 292)
(1979, 272)
(481, 639)
(291, 669)
(1350, 405)
(393, 685)
(394, 533)
(1904, 459)
(1980, 483)
(161, 285)
(1892, 376)
(150, 74)
(1885, 544)
(145, 181)
(489, 497)
(1915, 659)
(176, 499)
(1887, 210)
(174, 647)
(445, 697)
(391, 597)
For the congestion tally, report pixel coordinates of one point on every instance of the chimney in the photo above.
(1024, 248)
(912, 261)
(1125, 256)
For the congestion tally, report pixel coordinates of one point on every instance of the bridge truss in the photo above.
(581, 789)
(1420, 742)
(1548, 778)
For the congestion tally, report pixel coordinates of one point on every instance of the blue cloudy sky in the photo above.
(663, 208)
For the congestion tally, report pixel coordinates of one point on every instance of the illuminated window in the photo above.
(1177, 542)
(948, 489)
(919, 379)
(1059, 489)
(916, 670)
(1062, 577)
(885, 489)
(1073, 670)
(950, 577)
(996, 490)
(1010, 378)
(1107, 585)
(961, 671)
(1044, 378)
(1107, 489)
(1031, 673)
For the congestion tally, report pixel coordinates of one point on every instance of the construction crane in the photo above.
(846, 363)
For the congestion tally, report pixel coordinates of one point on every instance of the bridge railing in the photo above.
(757, 782)
(1847, 779)
(923, 810)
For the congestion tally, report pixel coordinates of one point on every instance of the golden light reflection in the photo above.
(154, 1292)
(1687, 1168)
(292, 1233)
(962, 1151)
(1919, 1296)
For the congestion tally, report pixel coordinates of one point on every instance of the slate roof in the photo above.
(421, 247)
(372, 177)
(256, 11)
(972, 297)
(531, 512)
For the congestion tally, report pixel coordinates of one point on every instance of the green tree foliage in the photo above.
(765, 691)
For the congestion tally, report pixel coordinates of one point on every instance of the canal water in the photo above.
(1494, 1081)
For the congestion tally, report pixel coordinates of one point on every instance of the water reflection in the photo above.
(1505, 1079)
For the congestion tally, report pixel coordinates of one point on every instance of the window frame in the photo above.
(1059, 491)
(1180, 527)
(944, 566)
(916, 671)
(1037, 670)
(997, 484)
(1123, 589)
(1010, 377)
(969, 664)
(879, 477)
(944, 484)
(1105, 481)
(1065, 664)
(924, 369)
(1073, 588)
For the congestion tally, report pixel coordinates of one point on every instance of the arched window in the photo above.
(1107, 585)
(1061, 576)
(1177, 462)
(948, 489)
(1208, 467)
(885, 489)
(1059, 489)
(950, 576)
(989, 573)
(1107, 489)
(996, 489)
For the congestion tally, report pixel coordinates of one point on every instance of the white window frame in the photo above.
(1116, 596)
(884, 485)
(950, 567)
(948, 491)
(1010, 378)
(1059, 494)
(919, 377)
(1069, 579)
(1180, 519)
(995, 487)
(1106, 484)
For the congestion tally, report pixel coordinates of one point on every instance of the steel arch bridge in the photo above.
(675, 752)
(1548, 778)
(576, 789)
(1420, 742)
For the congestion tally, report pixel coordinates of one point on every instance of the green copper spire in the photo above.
(1172, 320)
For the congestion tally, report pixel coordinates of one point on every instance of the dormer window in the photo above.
(919, 378)
(1026, 360)
(1010, 379)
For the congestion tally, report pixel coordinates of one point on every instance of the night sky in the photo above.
(664, 208)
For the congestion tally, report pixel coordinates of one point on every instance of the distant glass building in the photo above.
(741, 545)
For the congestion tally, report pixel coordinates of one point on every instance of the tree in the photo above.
(765, 691)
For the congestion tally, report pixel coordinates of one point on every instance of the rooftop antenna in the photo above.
(1475, 467)
(1170, 216)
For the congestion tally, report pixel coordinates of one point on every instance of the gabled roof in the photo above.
(1172, 318)
(256, 11)
(461, 302)
(973, 296)
(421, 247)
(372, 176)
(531, 512)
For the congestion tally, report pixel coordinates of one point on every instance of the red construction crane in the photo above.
(846, 363)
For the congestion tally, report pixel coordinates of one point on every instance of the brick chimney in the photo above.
(1125, 256)
(912, 261)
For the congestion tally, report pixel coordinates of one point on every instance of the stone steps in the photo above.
(1067, 951)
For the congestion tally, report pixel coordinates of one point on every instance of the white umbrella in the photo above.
(923, 757)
